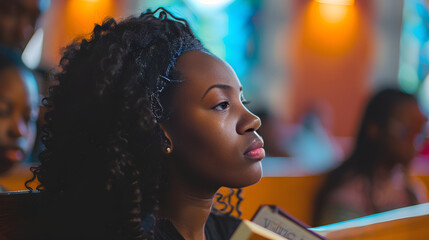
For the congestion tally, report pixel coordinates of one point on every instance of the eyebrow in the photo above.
(222, 86)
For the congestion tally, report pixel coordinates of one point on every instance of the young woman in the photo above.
(144, 126)
(19, 110)
(375, 176)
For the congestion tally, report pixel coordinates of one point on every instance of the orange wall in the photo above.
(67, 20)
(330, 60)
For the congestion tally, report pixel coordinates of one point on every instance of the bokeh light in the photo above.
(330, 29)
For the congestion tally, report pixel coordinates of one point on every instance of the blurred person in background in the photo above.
(18, 20)
(313, 132)
(374, 178)
(17, 23)
(18, 113)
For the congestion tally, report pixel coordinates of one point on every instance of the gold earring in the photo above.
(168, 150)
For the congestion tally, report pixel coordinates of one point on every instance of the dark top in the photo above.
(218, 227)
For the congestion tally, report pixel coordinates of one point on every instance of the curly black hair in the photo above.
(104, 145)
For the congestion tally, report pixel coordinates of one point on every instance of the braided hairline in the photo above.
(176, 49)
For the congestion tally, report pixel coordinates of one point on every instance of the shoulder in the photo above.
(350, 195)
(350, 190)
(221, 226)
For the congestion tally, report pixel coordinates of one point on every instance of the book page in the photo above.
(248, 230)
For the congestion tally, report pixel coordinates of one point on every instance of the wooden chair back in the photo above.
(18, 215)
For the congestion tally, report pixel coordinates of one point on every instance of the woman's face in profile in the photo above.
(212, 132)
(403, 131)
(18, 115)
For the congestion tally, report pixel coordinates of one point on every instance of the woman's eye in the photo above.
(5, 108)
(221, 106)
(4, 112)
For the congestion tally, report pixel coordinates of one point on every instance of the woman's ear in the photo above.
(168, 142)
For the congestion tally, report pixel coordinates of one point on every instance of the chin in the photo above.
(5, 165)
(252, 176)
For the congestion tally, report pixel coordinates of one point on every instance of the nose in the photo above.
(248, 122)
(17, 128)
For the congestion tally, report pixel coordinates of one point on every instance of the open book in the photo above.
(248, 230)
(402, 223)
(276, 220)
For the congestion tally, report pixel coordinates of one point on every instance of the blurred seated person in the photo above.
(17, 22)
(313, 132)
(18, 113)
(374, 178)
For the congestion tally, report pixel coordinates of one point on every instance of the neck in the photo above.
(382, 172)
(187, 208)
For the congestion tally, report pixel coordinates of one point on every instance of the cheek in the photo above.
(207, 143)
(3, 131)
(213, 151)
(402, 148)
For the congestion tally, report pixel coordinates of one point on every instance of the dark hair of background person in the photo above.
(364, 157)
(104, 146)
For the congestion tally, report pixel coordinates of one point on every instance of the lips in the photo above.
(14, 154)
(255, 150)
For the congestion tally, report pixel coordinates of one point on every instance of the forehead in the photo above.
(201, 70)
(10, 80)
